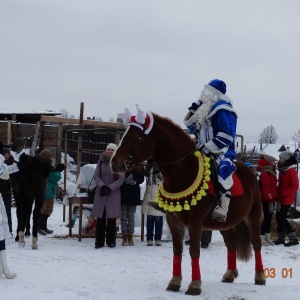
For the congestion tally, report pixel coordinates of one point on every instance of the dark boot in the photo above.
(49, 231)
(42, 224)
(293, 239)
(100, 233)
(281, 239)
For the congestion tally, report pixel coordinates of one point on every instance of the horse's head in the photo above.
(137, 143)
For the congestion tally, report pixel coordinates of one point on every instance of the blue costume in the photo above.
(213, 121)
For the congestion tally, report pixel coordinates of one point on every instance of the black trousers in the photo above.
(283, 224)
(106, 230)
(206, 236)
(266, 224)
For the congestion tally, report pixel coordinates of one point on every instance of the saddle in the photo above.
(236, 189)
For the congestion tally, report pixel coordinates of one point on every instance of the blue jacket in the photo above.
(54, 178)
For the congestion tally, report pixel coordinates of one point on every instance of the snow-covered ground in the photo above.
(63, 268)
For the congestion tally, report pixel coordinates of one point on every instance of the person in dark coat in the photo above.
(130, 198)
(107, 202)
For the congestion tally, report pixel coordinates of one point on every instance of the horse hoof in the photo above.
(21, 245)
(227, 280)
(21, 239)
(193, 292)
(260, 282)
(173, 288)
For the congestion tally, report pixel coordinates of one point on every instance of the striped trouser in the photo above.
(127, 219)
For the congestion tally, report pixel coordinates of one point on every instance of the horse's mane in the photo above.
(174, 128)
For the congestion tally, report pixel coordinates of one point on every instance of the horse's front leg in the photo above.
(231, 272)
(195, 285)
(177, 231)
(36, 218)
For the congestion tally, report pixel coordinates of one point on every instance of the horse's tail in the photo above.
(243, 241)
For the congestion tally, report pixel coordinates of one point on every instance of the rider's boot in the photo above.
(220, 212)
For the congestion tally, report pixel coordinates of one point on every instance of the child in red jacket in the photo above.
(287, 189)
(269, 194)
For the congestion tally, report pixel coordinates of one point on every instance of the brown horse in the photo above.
(185, 198)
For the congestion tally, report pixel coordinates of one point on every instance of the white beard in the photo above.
(209, 96)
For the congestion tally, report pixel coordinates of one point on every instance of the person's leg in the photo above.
(150, 229)
(280, 228)
(3, 262)
(131, 213)
(293, 240)
(158, 230)
(111, 232)
(206, 238)
(100, 233)
(124, 224)
(46, 212)
(7, 203)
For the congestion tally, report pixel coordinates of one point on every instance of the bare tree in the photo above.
(268, 135)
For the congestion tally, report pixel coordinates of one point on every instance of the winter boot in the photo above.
(293, 239)
(48, 231)
(281, 239)
(220, 212)
(125, 240)
(42, 224)
(130, 240)
(3, 266)
(268, 240)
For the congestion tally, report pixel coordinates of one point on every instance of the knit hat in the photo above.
(218, 85)
(111, 146)
(286, 155)
(46, 153)
(6, 150)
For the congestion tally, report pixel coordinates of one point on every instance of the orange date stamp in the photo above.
(273, 272)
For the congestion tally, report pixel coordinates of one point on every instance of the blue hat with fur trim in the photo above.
(218, 85)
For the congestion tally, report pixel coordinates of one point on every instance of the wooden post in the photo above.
(65, 175)
(8, 133)
(79, 147)
(59, 139)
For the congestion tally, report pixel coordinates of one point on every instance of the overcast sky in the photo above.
(111, 54)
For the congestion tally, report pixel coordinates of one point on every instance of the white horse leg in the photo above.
(34, 243)
(21, 239)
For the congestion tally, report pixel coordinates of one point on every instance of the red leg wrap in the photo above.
(196, 269)
(231, 260)
(177, 265)
(258, 261)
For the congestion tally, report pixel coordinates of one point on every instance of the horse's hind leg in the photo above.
(231, 272)
(36, 217)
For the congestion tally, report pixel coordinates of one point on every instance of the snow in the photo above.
(63, 268)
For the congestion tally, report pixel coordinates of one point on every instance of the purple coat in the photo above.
(112, 202)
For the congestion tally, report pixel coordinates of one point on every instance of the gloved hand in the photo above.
(129, 180)
(105, 190)
(22, 161)
(278, 205)
(195, 106)
(271, 206)
(60, 167)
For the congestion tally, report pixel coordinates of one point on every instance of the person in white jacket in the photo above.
(5, 170)
(154, 217)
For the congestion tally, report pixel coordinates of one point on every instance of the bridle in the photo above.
(129, 161)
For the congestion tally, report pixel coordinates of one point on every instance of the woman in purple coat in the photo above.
(107, 202)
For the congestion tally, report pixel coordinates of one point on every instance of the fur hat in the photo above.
(46, 153)
(218, 85)
(269, 158)
(286, 155)
(111, 146)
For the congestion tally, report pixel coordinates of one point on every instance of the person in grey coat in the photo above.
(107, 202)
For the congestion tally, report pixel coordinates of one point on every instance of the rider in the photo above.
(213, 121)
